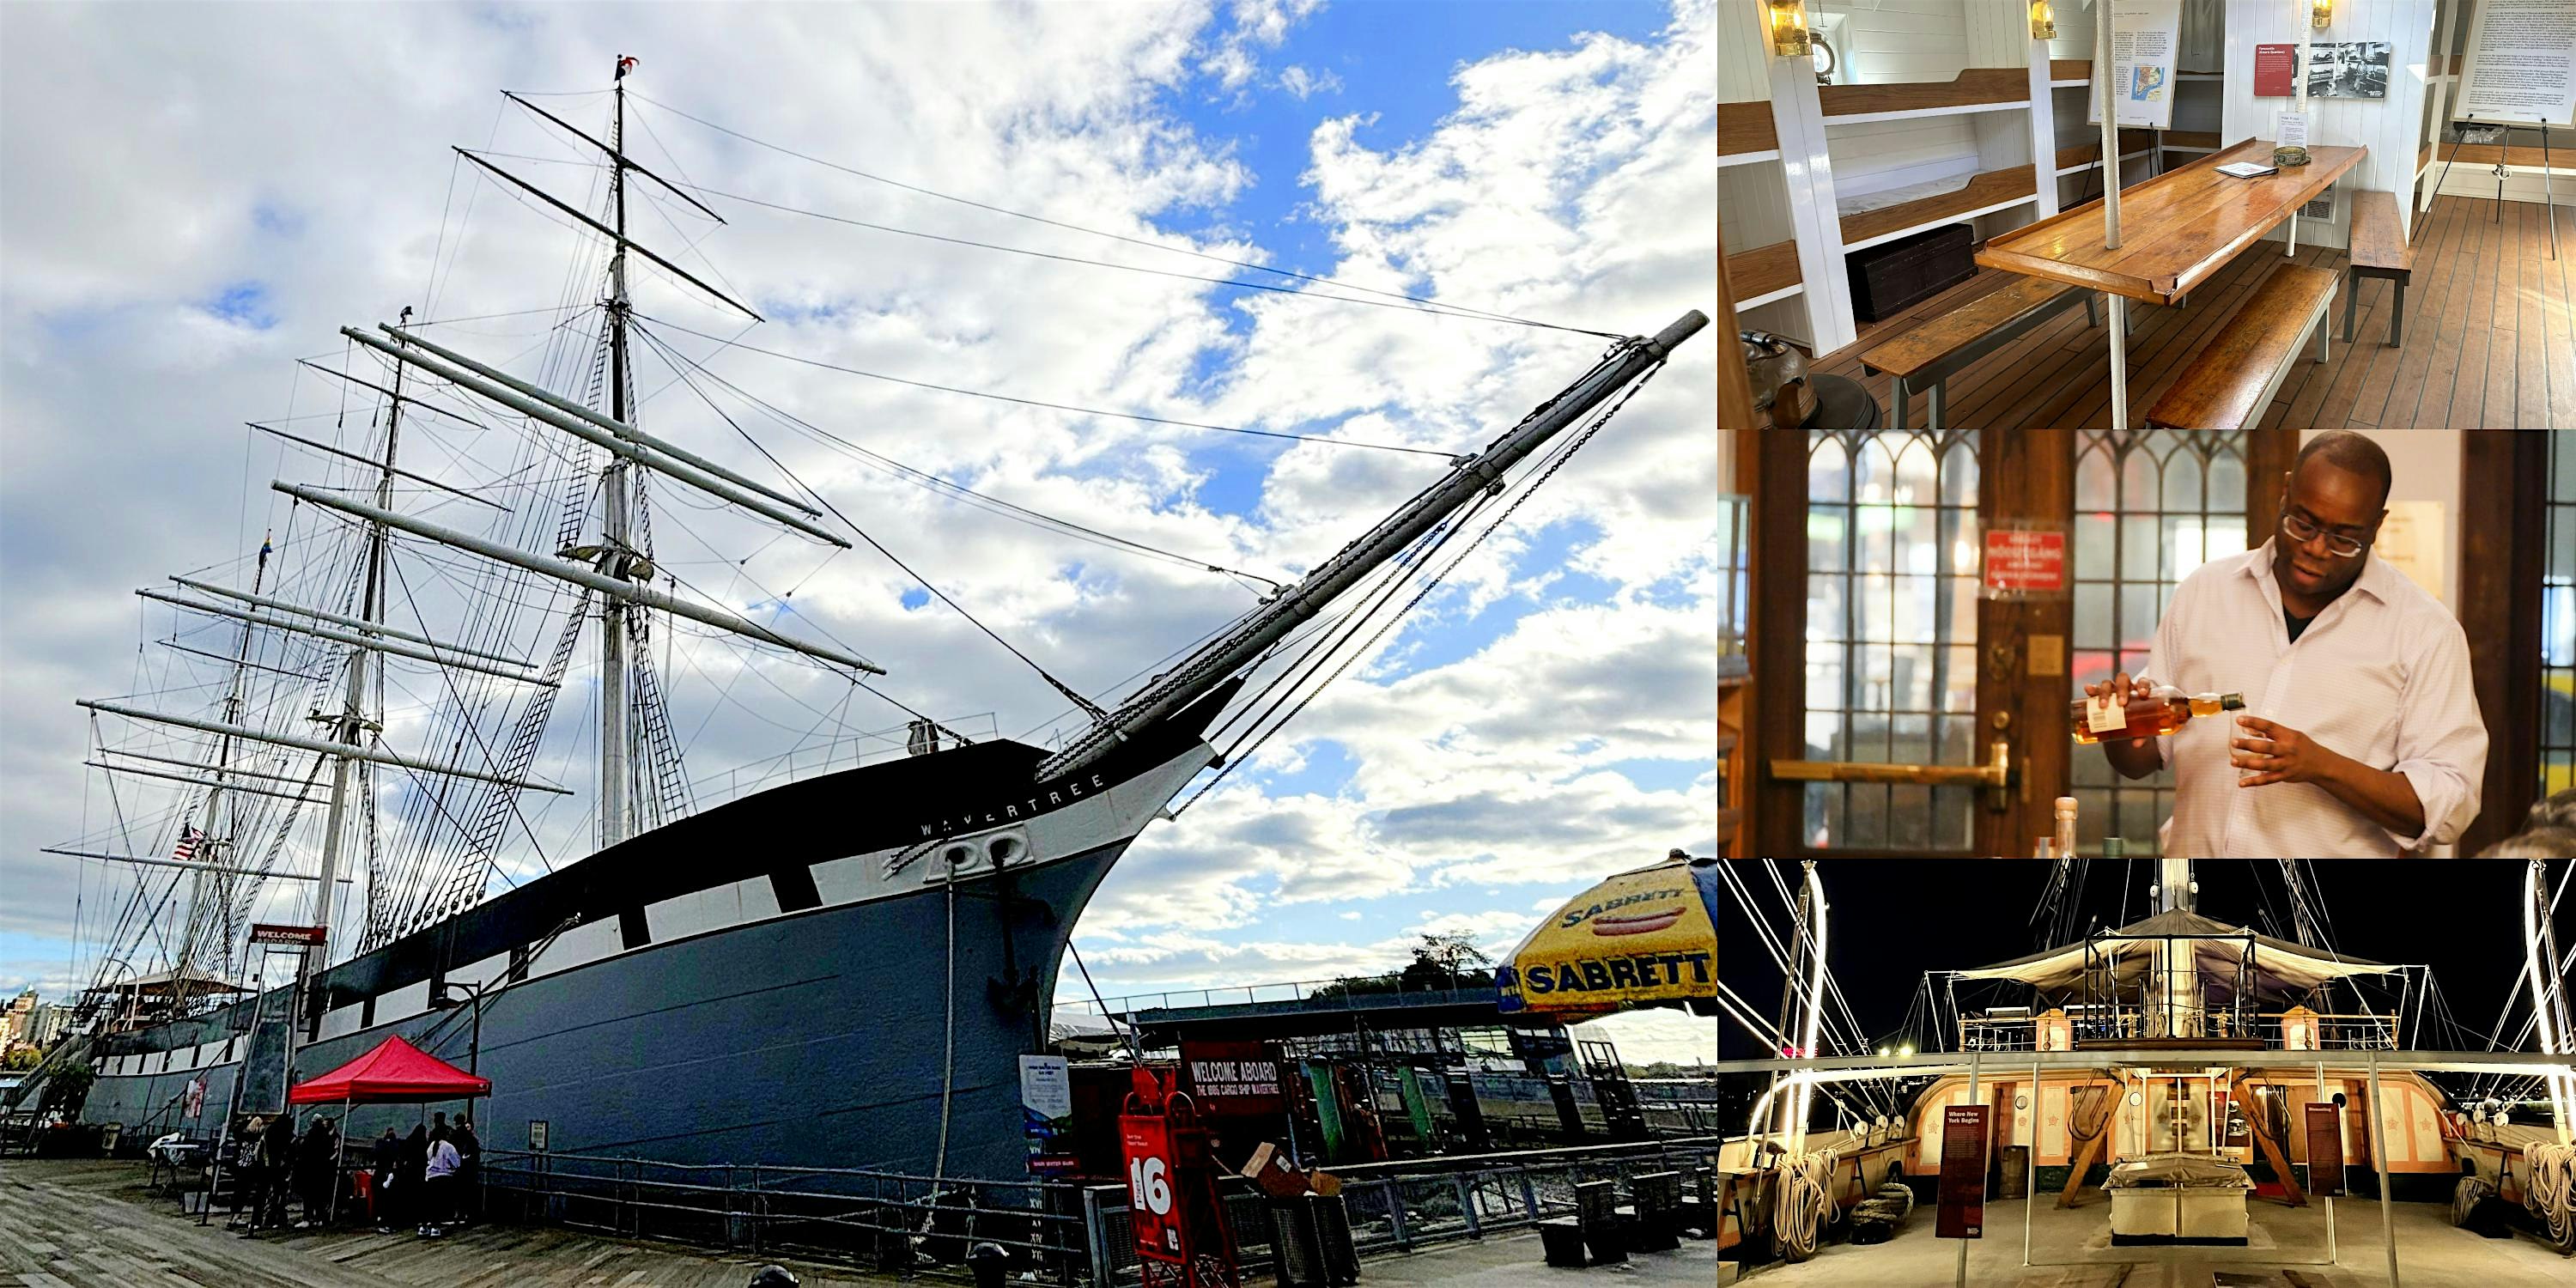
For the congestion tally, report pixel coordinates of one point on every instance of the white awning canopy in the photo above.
(2281, 968)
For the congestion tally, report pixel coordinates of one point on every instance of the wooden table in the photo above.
(2175, 229)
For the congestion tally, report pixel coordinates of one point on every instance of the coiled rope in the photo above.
(2552, 1192)
(1805, 1200)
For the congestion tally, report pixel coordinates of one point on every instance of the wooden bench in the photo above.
(2233, 377)
(1925, 357)
(2378, 250)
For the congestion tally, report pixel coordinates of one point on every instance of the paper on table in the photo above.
(2246, 170)
(2290, 129)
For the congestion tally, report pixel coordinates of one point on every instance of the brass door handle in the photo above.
(1995, 775)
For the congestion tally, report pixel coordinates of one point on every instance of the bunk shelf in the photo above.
(1987, 191)
(1765, 274)
(1746, 133)
(2191, 141)
(1978, 89)
(2423, 160)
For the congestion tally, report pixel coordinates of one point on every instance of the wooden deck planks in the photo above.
(90, 1224)
(2490, 340)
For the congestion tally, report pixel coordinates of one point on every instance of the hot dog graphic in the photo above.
(1635, 923)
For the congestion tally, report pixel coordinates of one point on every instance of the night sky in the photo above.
(1892, 920)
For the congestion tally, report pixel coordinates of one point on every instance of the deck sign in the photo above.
(2325, 1149)
(1146, 1140)
(2024, 561)
(262, 932)
(1963, 1173)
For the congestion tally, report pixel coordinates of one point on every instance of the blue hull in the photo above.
(810, 1039)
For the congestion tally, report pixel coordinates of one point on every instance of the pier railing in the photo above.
(1074, 1235)
(889, 1221)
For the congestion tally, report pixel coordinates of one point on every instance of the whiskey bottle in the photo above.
(2173, 712)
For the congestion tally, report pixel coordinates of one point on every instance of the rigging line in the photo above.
(486, 317)
(1051, 406)
(1070, 227)
(467, 724)
(925, 478)
(1527, 489)
(1060, 686)
(1418, 308)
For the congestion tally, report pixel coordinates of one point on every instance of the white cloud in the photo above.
(1305, 84)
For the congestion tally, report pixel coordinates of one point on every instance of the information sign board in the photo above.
(1963, 1172)
(2325, 1149)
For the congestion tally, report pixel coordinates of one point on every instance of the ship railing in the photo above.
(886, 1220)
(848, 752)
(1356, 988)
(2327, 1032)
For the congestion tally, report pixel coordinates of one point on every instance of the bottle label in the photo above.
(2104, 714)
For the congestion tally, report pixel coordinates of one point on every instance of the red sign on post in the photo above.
(2024, 561)
(1963, 1173)
(262, 932)
(2325, 1150)
(1146, 1139)
(2275, 71)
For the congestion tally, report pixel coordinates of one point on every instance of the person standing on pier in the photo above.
(386, 1162)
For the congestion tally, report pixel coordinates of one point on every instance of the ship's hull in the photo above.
(827, 975)
(813, 1039)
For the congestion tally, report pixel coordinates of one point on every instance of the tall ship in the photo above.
(838, 964)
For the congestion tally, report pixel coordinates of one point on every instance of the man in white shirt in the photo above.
(2360, 736)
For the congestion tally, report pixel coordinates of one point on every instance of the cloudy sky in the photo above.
(192, 197)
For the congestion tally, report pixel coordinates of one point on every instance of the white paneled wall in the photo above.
(1883, 41)
(1875, 156)
(2391, 127)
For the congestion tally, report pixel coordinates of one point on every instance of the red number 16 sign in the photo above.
(1147, 1142)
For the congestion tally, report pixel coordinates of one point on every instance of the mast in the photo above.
(352, 726)
(211, 845)
(1250, 638)
(615, 749)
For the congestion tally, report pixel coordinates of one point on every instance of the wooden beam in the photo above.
(1734, 383)
(2082, 1163)
(1771, 468)
(2023, 652)
(2270, 1148)
(2502, 548)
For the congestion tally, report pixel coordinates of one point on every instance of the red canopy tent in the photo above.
(395, 1072)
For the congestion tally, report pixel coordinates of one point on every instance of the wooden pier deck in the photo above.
(93, 1224)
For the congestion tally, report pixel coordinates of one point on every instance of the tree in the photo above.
(25, 1057)
(1448, 961)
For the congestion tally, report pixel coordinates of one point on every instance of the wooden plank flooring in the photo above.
(91, 1224)
(2490, 340)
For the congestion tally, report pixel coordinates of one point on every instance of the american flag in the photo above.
(187, 847)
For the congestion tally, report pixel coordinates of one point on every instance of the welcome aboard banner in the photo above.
(1642, 938)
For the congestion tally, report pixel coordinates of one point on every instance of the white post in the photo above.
(2307, 28)
(2379, 1161)
(2331, 1255)
(2030, 1183)
(2116, 304)
(1945, 1158)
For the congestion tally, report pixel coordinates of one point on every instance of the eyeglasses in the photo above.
(2303, 532)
